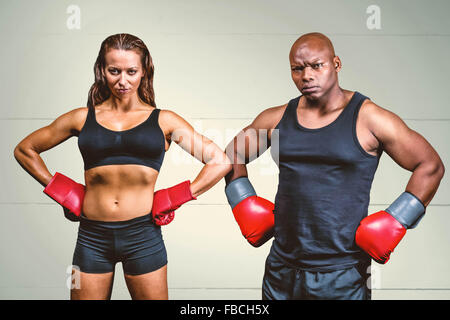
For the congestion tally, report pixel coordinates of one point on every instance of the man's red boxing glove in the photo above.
(253, 214)
(379, 233)
(166, 201)
(67, 193)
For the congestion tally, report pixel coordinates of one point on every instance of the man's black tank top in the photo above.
(325, 177)
(143, 144)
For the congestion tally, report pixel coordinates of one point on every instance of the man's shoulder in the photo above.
(371, 109)
(269, 118)
(275, 110)
(376, 117)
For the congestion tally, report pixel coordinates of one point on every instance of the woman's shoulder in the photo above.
(167, 115)
(80, 113)
(169, 121)
(76, 117)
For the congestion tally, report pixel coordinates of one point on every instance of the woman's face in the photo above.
(123, 72)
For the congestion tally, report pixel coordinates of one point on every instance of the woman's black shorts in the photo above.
(137, 243)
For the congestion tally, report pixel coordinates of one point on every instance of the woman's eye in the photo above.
(113, 71)
(132, 71)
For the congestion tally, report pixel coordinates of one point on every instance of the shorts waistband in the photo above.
(338, 264)
(117, 224)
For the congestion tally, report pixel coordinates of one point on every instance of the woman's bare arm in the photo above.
(28, 150)
(217, 164)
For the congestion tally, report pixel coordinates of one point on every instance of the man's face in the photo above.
(313, 68)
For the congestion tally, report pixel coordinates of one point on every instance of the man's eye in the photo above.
(297, 68)
(318, 65)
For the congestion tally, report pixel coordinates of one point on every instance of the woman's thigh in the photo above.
(148, 286)
(91, 286)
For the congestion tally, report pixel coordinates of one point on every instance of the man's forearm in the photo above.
(238, 170)
(238, 163)
(425, 181)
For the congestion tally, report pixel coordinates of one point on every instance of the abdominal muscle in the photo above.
(118, 192)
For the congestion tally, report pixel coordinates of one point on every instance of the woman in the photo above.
(122, 137)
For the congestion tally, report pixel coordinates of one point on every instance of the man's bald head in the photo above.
(314, 65)
(315, 41)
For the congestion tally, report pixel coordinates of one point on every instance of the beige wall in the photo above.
(218, 64)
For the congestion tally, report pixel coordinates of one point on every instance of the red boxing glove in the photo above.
(67, 193)
(166, 201)
(253, 214)
(378, 235)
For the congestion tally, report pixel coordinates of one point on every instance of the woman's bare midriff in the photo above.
(118, 192)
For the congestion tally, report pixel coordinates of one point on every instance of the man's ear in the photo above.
(337, 64)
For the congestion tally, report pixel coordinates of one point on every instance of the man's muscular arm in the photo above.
(409, 150)
(379, 233)
(253, 214)
(252, 141)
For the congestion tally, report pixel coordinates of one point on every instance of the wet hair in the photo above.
(99, 91)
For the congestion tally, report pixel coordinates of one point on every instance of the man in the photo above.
(330, 143)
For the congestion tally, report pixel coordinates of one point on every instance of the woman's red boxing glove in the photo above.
(166, 201)
(67, 193)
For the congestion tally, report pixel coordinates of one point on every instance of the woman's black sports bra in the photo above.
(143, 144)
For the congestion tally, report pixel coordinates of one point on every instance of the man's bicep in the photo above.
(251, 141)
(404, 145)
(264, 125)
(243, 146)
(269, 118)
